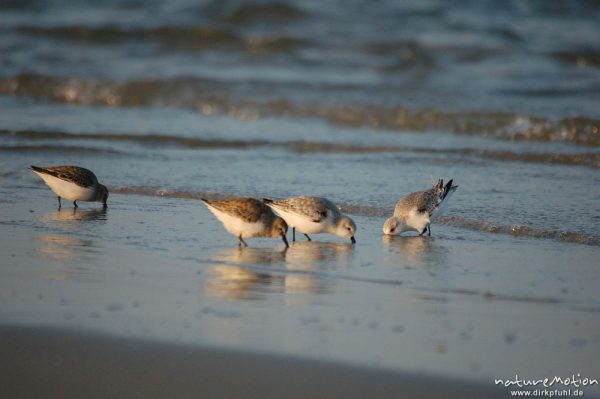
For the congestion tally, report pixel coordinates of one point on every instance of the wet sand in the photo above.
(50, 363)
(154, 290)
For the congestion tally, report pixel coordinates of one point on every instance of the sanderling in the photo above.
(414, 211)
(312, 215)
(248, 217)
(73, 183)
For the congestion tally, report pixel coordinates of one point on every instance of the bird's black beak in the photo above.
(284, 238)
(353, 240)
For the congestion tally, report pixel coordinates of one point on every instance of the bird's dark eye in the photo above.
(392, 230)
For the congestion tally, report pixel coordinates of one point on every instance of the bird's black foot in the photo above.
(75, 204)
(293, 234)
(59, 204)
(428, 229)
(241, 242)
(307, 237)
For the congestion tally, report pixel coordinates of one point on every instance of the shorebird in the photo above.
(248, 217)
(73, 183)
(414, 211)
(313, 215)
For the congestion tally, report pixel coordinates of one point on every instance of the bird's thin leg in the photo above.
(59, 204)
(307, 237)
(75, 204)
(242, 242)
(429, 229)
(293, 234)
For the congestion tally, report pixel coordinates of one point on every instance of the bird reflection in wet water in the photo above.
(305, 263)
(71, 256)
(60, 247)
(76, 214)
(235, 274)
(414, 250)
(68, 257)
(250, 273)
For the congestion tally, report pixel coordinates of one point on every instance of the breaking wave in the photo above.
(588, 159)
(519, 230)
(146, 139)
(63, 149)
(172, 38)
(243, 102)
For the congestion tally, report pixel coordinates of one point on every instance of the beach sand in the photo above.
(49, 363)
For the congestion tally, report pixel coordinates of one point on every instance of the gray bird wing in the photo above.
(423, 201)
(74, 174)
(250, 210)
(313, 208)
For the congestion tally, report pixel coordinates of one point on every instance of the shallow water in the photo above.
(172, 101)
(461, 303)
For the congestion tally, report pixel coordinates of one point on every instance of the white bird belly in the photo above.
(417, 221)
(68, 190)
(303, 223)
(237, 226)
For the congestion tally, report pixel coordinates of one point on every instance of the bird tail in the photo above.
(440, 186)
(448, 188)
(44, 171)
(445, 192)
(38, 169)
